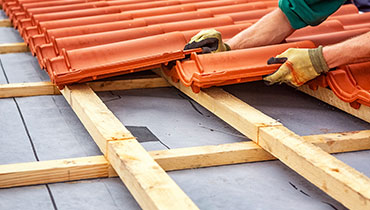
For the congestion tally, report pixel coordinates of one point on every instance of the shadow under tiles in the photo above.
(299, 112)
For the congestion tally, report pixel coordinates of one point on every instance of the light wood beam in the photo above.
(5, 23)
(43, 172)
(13, 48)
(129, 84)
(352, 189)
(329, 97)
(28, 89)
(145, 179)
(102, 125)
(48, 88)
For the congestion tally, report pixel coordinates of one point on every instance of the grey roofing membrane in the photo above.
(46, 128)
(2, 14)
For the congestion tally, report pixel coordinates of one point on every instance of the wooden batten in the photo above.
(13, 48)
(5, 23)
(23, 174)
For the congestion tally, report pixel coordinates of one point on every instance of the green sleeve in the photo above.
(301, 13)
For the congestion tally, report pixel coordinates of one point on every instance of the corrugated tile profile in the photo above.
(82, 40)
(206, 70)
(118, 58)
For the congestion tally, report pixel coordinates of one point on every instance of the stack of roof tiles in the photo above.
(82, 40)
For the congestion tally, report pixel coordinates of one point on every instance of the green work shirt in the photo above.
(301, 13)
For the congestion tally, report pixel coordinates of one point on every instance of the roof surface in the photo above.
(30, 125)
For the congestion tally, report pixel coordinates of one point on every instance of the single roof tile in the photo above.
(121, 57)
(230, 67)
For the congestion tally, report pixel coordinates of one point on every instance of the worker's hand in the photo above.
(300, 66)
(209, 40)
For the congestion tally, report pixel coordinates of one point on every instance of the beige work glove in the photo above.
(300, 66)
(209, 40)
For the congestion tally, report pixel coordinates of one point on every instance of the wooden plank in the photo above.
(23, 174)
(48, 88)
(145, 179)
(27, 89)
(154, 189)
(13, 48)
(246, 152)
(129, 84)
(5, 23)
(329, 97)
(44, 172)
(341, 142)
(251, 122)
(102, 125)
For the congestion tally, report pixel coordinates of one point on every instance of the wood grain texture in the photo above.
(27, 89)
(13, 48)
(147, 181)
(23, 174)
(43, 172)
(5, 23)
(129, 84)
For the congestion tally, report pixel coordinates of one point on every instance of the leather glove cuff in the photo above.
(318, 60)
(228, 48)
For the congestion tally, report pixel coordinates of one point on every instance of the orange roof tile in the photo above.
(230, 67)
(351, 83)
(121, 57)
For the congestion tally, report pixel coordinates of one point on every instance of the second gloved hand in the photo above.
(209, 40)
(301, 66)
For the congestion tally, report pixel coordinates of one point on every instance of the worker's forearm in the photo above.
(354, 50)
(273, 28)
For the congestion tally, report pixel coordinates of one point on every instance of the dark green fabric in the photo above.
(310, 12)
